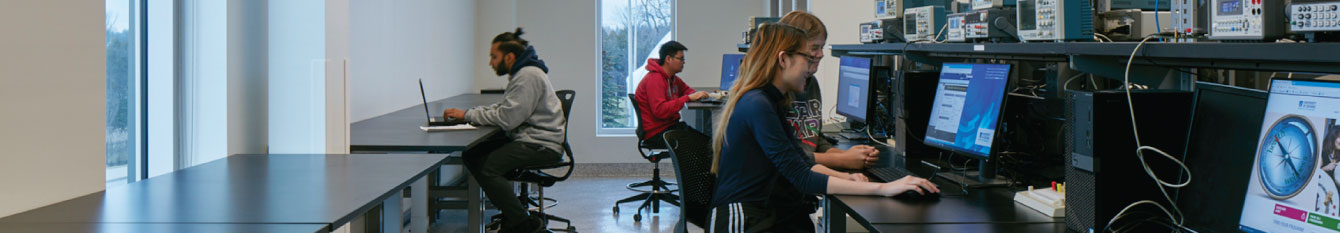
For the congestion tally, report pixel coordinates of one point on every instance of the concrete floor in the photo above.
(588, 202)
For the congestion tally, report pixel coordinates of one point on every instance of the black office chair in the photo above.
(660, 190)
(691, 154)
(536, 175)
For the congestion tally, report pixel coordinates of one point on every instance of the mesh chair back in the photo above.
(566, 97)
(637, 110)
(691, 153)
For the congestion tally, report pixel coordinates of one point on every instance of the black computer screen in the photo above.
(1028, 14)
(1224, 124)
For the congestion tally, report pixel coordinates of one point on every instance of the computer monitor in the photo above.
(1225, 121)
(730, 68)
(967, 106)
(1292, 184)
(853, 87)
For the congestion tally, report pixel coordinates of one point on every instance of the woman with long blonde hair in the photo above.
(752, 145)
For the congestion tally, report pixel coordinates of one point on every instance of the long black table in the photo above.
(329, 190)
(972, 227)
(978, 210)
(399, 131)
(160, 228)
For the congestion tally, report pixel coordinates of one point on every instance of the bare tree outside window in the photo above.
(630, 31)
(121, 138)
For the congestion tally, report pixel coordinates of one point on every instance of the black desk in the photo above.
(399, 131)
(160, 228)
(979, 206)
(975, 228)
(980, 210)
(294, 189)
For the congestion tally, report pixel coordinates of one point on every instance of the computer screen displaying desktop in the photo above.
(966, 110)
(1292, 184)
(967, 107)
(853, 87)
(730, 68)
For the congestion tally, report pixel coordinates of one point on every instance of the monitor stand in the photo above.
(984, 177)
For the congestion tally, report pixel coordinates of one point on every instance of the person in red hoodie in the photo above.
(661, 94)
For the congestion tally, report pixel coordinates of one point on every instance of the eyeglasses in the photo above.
(809, 58)
(680, 58)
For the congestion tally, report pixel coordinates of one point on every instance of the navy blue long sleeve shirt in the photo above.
(758, 148)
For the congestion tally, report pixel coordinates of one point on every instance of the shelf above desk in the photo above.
(1288, 57)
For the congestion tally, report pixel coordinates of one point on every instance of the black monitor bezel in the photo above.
(1197, 95)
(999, 114)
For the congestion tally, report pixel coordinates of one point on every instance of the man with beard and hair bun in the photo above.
(532, 117)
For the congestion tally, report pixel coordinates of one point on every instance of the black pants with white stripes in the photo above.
(753, 217)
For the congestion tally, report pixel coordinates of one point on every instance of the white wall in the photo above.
(297, 61)
(162, 78)
(54, 149)
(336, 127)
(564, 35)
(247, 74)
(494, 17)
(713, 29)
(841, 17)
(203, 74)
(393, 44)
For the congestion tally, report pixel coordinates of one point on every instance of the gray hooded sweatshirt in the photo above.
(530, 111)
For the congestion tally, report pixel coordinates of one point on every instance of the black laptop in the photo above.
(435, 121)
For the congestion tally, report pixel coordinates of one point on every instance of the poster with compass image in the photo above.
(1292, 186)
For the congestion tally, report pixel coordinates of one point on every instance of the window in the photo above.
(630, 32)
(123, 91)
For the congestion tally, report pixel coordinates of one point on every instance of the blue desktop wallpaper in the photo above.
(982, 105)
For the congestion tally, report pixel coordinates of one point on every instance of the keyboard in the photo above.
(854, 136)
(887, 174)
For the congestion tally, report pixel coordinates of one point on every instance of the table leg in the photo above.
(474, 207)
(419, 205)
(391, 215)
(835, 216)
(705, 121)
(372, 220)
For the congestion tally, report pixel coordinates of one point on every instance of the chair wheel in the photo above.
(616, 209)
(637, 217)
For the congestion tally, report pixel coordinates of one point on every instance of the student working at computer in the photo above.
(807, 105)
(532, 117)
(662, 94)
(806, 120)
(752, 147)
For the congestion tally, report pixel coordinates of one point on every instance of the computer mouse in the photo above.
(913, 195)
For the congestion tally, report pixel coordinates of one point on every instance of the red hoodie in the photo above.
(660, 96)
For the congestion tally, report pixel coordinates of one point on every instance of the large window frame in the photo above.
(126, 121)
(633, 63)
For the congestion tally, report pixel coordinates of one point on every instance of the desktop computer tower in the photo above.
(1103, 173)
